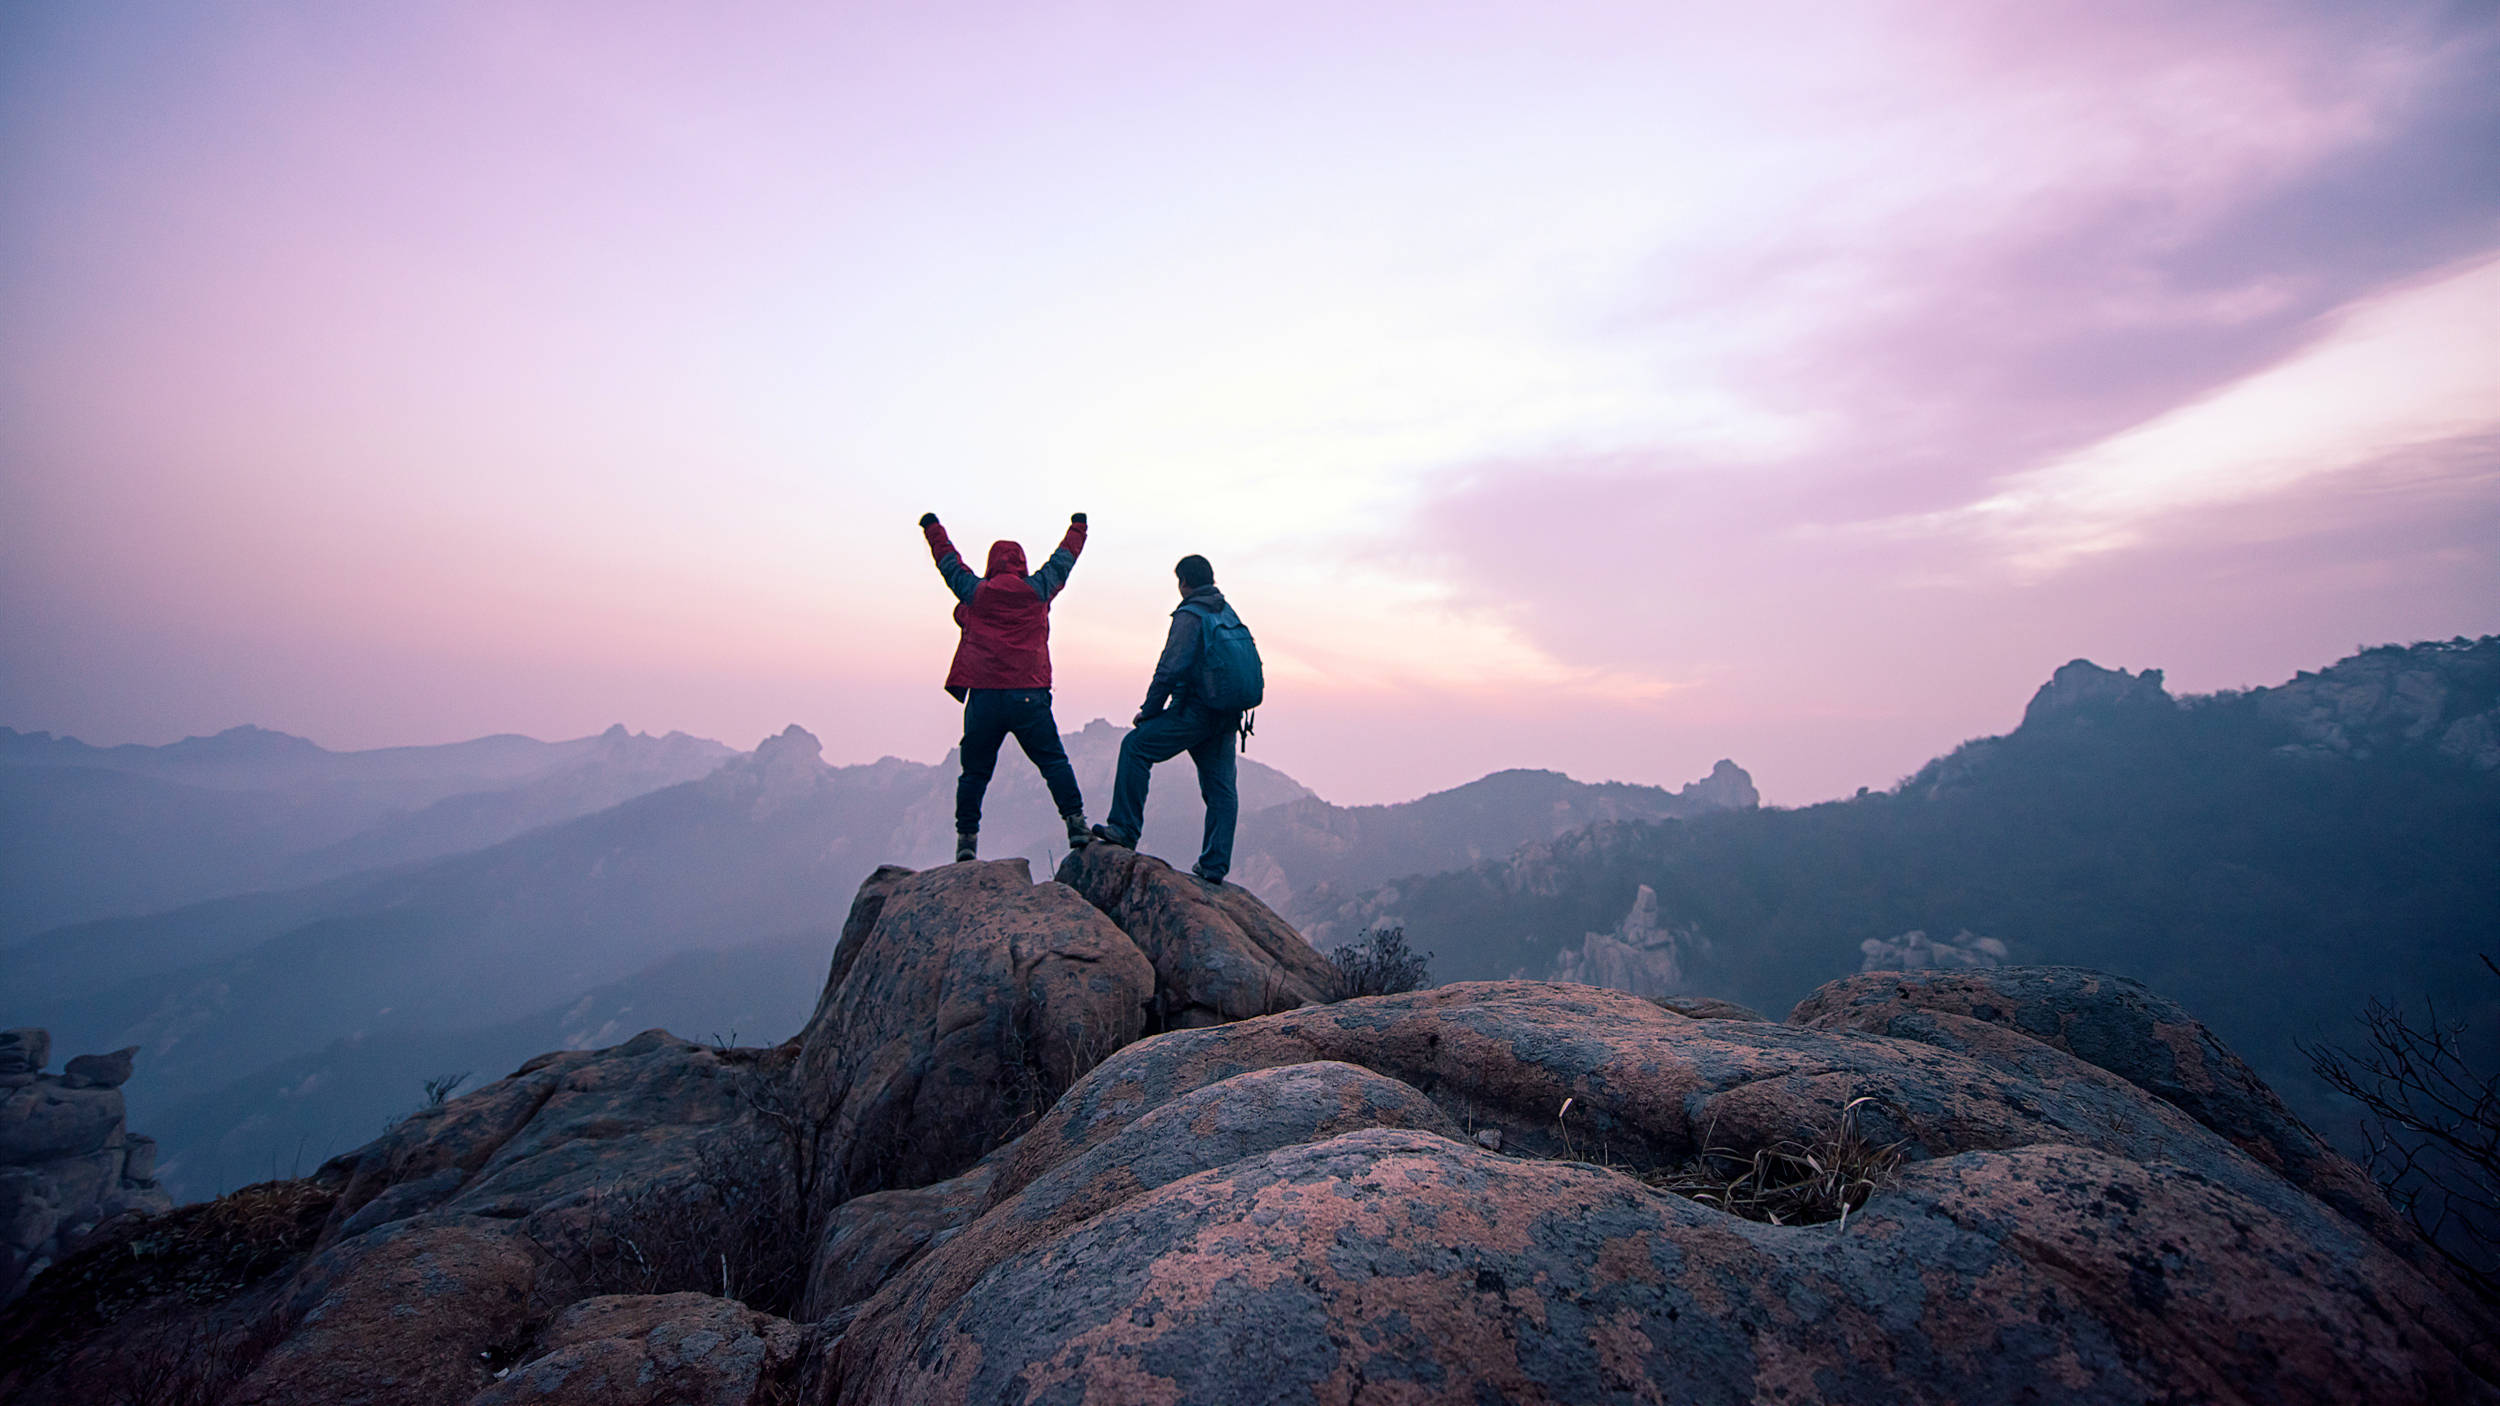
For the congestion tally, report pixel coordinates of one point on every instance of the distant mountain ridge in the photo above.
(100, 832)
(315, 990)
(2277, 856)
(1318, 851)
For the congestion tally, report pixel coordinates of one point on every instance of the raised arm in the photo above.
(950, 563)
(1054, 572)
(1180, 655)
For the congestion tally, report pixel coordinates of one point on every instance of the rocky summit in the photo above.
(67, 1163)
(1113, 1138)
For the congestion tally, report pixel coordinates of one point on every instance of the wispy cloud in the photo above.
(2398, 371)
(1614, 371)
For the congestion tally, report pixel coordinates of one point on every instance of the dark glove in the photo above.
(928, 519)
(1077, 518)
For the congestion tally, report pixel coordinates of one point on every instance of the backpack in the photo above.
(1230, 678)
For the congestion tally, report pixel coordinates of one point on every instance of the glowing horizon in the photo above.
(1602, 388)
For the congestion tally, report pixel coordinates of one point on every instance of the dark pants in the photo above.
(990, 714)
(1208, 739)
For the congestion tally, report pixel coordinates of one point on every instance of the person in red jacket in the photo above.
(1001, 672)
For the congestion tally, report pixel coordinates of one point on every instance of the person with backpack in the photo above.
(1208, 678)
(1001, 673)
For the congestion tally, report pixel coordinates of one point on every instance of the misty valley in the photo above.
(646, 1056)
(297, 940)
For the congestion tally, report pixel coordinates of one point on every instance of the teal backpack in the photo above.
(1230, 678)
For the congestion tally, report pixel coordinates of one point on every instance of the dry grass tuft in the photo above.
(202, 1253)
(197, 1256)
(1811, 1182)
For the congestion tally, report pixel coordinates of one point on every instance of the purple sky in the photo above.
(1611, 388)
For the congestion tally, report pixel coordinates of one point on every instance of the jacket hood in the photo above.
(1006, 559)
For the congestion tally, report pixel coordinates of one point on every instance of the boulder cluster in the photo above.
(1915, 950)
(1110, 1138)
(67, 1163)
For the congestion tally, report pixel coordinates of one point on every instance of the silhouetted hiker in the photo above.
(1001, 672)
(1209, 676)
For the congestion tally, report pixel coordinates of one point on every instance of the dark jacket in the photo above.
(1178, 668)
(1005, 614)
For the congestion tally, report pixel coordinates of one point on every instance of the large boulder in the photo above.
(2057, 1231)
(955, 1016)
(68, 1164)
(1211, 1127)
(404, 1318)
(1219, 953)
(2125, 1027)
(652, 1350)
(1390, 1265)
(100, 1071)
(867, 1239)
(436, 1253)
(47, 1120)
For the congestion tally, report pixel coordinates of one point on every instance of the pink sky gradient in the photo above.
(1602, 387)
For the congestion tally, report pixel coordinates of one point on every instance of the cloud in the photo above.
(2113, 274)
(2088, 226)
(2412, 368)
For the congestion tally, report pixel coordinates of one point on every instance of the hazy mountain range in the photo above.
(278, 1025)
(2273, 858)
(99, 832)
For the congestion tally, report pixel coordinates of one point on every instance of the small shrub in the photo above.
(729, 1229)
(2432, 1129)
(1823, 1178)
(439, 1089)
(1379, 963)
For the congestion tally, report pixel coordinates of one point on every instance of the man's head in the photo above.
(1193, 572)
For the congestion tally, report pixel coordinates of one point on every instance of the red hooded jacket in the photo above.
(1005, 614)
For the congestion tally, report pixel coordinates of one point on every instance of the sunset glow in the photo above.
(1608, 388)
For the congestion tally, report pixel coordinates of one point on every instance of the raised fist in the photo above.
(928, 519)
(1077, 518)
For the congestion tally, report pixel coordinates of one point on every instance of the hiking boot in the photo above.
(1210, 880)
(1078, 836)
(1110, 836)
(965, 844)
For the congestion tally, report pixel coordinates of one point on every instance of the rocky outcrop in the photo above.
(1461, 1194)
(2128, 1029)
(2057, 1225)
(1727, 787)
(1707, 1008)
(67, 1163)
(2441, 697)
(1643, 955)
(442, 1248)
(959, 1010)
(1915, 951)
(1218, 952)
(868, 1238)
(651, 1350)
(2082, 690)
